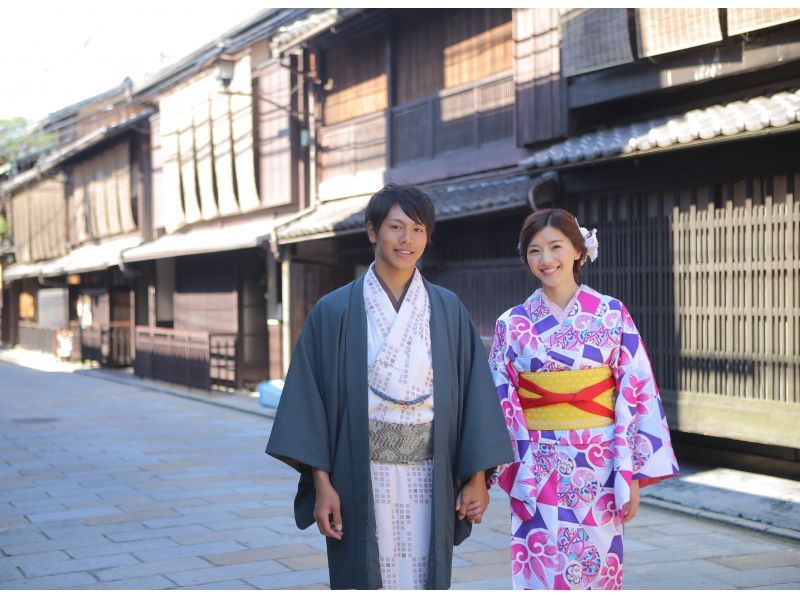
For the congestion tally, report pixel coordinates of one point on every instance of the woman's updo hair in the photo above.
(557, 218)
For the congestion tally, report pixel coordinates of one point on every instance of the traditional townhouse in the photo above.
(672, 131)
(681, 131)
(69, 217)
(228, 161)
(418, 96)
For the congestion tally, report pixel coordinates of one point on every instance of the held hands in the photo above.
(473, 499)
(327, 511)
(631, 508)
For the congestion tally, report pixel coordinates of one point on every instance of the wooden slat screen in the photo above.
(274, 82)
(100, 202)
(39, 221)
(711, 276)
(358, 71)
(594, 38)
(207, 150)
(537, 75)
(662, 30)
(242, 132)
(742, 20)
(440, 49)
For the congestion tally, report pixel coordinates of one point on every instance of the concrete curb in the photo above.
(216, 398)
(756, 526)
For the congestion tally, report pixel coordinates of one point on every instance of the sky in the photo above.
(56, 53)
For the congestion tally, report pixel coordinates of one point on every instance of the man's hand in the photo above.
(473, 499)
(327, 512)
(630, 509)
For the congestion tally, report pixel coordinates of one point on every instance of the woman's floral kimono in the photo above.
(567, 487)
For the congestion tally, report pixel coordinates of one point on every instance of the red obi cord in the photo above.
(583, 399)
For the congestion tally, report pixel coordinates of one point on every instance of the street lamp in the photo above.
(223, 67)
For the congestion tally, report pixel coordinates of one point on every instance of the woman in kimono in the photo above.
(388, 413)
(583, 412)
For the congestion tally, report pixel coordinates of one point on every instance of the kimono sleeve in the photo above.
(641, 424)
(484, 437)
(299, 435)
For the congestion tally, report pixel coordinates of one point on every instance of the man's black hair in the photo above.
(414, 202)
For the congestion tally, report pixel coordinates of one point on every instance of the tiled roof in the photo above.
(54, 159)
(450, 201)
(735, 118)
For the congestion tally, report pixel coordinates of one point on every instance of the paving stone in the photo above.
(8, 563)
(163, 532)
(51, 545)
(762, 560)
(21, 536)
(139, 515)
(226, 573)
(148, 569)
(480, 572)
(51, 582)
(500, 583)
(760, 577)
(153, 582)
(486, 557)
(283, 552)
(90, 564)
(224, 585)
(121, 547)
(73, 514)
(312, 561)
(678, 582)
(181, 551)
(289, 580)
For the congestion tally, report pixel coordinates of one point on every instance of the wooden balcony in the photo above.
(191, 358)
(354, 156)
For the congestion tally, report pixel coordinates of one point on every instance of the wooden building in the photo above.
(69, 218)
(669, 130)
(227, 164)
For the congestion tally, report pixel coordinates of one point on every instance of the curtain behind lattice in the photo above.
(594, 38)
(662, 30)
(742, 20)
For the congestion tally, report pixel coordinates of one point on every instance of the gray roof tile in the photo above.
(759, 113)
(450, 201)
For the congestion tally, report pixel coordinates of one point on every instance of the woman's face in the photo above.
(551, 256)
(400, 242)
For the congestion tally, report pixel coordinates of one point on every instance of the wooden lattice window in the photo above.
(742, 20)
(662, 30)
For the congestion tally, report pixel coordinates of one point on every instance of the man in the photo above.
(388, 413)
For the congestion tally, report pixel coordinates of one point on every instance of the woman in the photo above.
(583, 412)
(388, 413)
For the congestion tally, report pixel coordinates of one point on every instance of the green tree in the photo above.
(18, 139)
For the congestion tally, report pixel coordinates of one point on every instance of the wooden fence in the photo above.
(711, 276)
(191, 358)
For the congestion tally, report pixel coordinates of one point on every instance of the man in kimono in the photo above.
(388, 413)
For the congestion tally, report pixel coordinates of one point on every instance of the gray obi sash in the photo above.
(400, 443)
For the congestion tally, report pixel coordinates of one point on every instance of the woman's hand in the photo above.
(473, 499)
(631, 508)
(327, 512)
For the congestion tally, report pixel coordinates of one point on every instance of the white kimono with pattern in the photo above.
(399, 365)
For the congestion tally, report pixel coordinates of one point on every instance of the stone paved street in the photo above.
(104, 485)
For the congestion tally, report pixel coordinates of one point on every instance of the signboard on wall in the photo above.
(27, 306)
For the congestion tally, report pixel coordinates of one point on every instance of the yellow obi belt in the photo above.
(567, 400)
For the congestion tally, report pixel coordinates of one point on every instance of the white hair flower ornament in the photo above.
(590, 240)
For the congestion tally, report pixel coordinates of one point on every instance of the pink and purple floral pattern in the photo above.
(567, 487)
